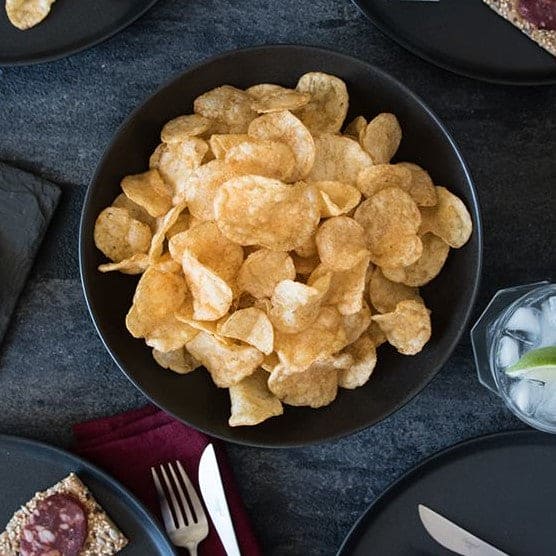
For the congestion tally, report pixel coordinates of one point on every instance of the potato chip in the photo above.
(449, 219)
(380, 176)
(221, 143)
(408, 327)
(252, 402)
(341, 243)
(356, 323)
(212, 296)
(286, 128)
(346, 288)
(175, 161)
(321, 339)
(328, 107)
(182, 224)
(421, 188)
(304, 265)
(376, 334)
(183, 127)
(169, 335)
(385, 294)
(149, 191)
(426, 267)
(391, 219)
(119, 236)
(336, 197)
(179, 360)
(382, 137)
(315, 386)
(228, 105)
(277, 101)
(308, 248)
(253, 210)
(25, 14)
(262, 270)
(262, 90)
(163, 225)
(165, 263)
(270, 362)
(134, 265)
(251, 326)
(262, 158)
(227, 364)
(295, 306)
(338, 158)
(356, 127)
(135, 211)
(363, 352)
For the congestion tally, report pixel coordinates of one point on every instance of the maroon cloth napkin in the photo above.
(129, 444)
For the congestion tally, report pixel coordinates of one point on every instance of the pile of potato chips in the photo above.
(276, 250)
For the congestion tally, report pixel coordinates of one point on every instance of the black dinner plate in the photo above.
(70, 27)
(500, 487)
(27, 466)
(463, 36)
(193, 398)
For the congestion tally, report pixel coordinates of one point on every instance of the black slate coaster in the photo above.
(27, 203)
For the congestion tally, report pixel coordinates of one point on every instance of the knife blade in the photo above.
(453, 537)
(210, 484)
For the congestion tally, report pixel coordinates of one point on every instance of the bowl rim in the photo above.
(475, 210)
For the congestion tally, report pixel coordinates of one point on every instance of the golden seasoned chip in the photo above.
(357, 323)
(179, 360)
(253, 210)
(165, 263)
(363, 352)
(228, 105)
(262, 270)
(308, 248)
(315, 387)
(271, 159)
(25, 14)
(149, 191)
(227, 364)
(182, 224)
(262, 90)
(376, 334)
(163, 225)
(382, 137)
(449, 219)
(134, 265)
(408, 327)
(304, 265)
(426, 267)
(321, 339)
(380, 176)
(252, 401)
(385, 294)
(276, 101)
(295, 306)
(135, 211)
(183, 127)
(341, 243)
(421, 187)
(328, 107)
(270, 362)
(251, 326)
(356, 127)
(391, 219)
(286, 128)
(336, 197)
(119, 236)
(175, 161)
(221, 143)
(338, 158)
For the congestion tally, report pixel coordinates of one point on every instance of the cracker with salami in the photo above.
(536, 18)
(64, 520)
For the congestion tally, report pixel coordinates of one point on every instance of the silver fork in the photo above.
(187, 526)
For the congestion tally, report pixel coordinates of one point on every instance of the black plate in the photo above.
(193, 398)
(463, 36)
(500, 487)
(28, 466)
(71, 26)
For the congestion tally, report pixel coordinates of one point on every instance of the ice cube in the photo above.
(525, 325)
(548, 322)
(547, 408)
(508, 352)
(527, 395)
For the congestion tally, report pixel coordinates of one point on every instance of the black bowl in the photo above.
(193, 398)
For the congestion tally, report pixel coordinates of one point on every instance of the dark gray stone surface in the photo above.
(57, 118)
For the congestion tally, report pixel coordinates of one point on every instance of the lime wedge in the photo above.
(537, 364)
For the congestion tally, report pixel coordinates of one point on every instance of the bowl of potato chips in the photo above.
(281, 246)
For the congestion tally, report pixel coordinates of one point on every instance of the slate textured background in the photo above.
(56, 119)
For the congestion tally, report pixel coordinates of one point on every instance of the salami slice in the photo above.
(57, 527)
(541, 13)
